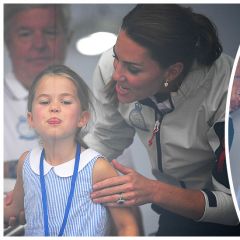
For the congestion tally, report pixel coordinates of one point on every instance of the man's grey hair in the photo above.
(10, 10)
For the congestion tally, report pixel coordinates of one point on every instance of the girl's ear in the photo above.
(30, 119)
(85, 116)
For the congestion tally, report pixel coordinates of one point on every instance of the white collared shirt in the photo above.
(18, 137)
(64, 169)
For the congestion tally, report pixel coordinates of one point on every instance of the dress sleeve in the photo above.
(110, 133)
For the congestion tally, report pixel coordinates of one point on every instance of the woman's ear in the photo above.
(85, 116)
(173, 71)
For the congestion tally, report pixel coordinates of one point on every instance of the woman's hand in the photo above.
(138, 190)
(132, 187)
(14, 220)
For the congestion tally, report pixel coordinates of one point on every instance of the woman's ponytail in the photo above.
(208, 48)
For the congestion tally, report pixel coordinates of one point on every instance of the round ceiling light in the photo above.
(96, 43)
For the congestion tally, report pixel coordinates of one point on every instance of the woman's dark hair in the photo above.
(173, 33)
(84, 94)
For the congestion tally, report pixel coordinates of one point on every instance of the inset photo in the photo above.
(234, 134)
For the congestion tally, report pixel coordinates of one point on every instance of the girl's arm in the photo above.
(17, 204)
(123, 217)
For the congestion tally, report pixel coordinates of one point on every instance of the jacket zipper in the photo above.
(154, 132)
(156, 135)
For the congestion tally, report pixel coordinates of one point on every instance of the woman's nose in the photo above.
(118, 74)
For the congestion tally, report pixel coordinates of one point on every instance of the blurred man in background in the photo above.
(36, 36)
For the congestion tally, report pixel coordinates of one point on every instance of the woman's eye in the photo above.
(133, 70)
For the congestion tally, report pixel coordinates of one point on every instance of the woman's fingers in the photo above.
(109, 194)
(13, 221)
(8, 198)
(128, 190)
(16, 220)
(117, 200)
(21, 217)
(108, 190)
(110, 182)
(109, 199)
(118, 180)
(121, 168)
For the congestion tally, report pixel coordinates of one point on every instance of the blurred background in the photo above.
(89, 18)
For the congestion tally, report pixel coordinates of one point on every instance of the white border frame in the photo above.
(234, 197)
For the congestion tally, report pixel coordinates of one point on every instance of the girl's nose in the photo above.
(55, 107)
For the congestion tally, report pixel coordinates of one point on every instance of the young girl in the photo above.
(54, 181)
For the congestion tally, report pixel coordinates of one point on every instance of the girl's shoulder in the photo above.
(23, 157)
(102, 170)
(20, 163)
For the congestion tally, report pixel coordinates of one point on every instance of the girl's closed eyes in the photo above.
(65, 101)
(44, 101)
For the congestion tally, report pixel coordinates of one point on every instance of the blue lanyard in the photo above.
(70, 197)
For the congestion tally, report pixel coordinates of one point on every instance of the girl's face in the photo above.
(56, 109)
(137, 75)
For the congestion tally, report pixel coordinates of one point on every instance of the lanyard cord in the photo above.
(70, 197)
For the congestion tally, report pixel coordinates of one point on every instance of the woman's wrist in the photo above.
(155, 188)
(186, 202)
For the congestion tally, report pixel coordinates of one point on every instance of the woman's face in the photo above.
(136, 74)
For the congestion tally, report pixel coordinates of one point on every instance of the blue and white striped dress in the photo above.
(85, 217)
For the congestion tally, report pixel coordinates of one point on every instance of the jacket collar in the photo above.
(192, 81)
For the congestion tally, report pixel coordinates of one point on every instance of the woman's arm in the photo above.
(139, 190)
(123, 217)
(17, 203)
